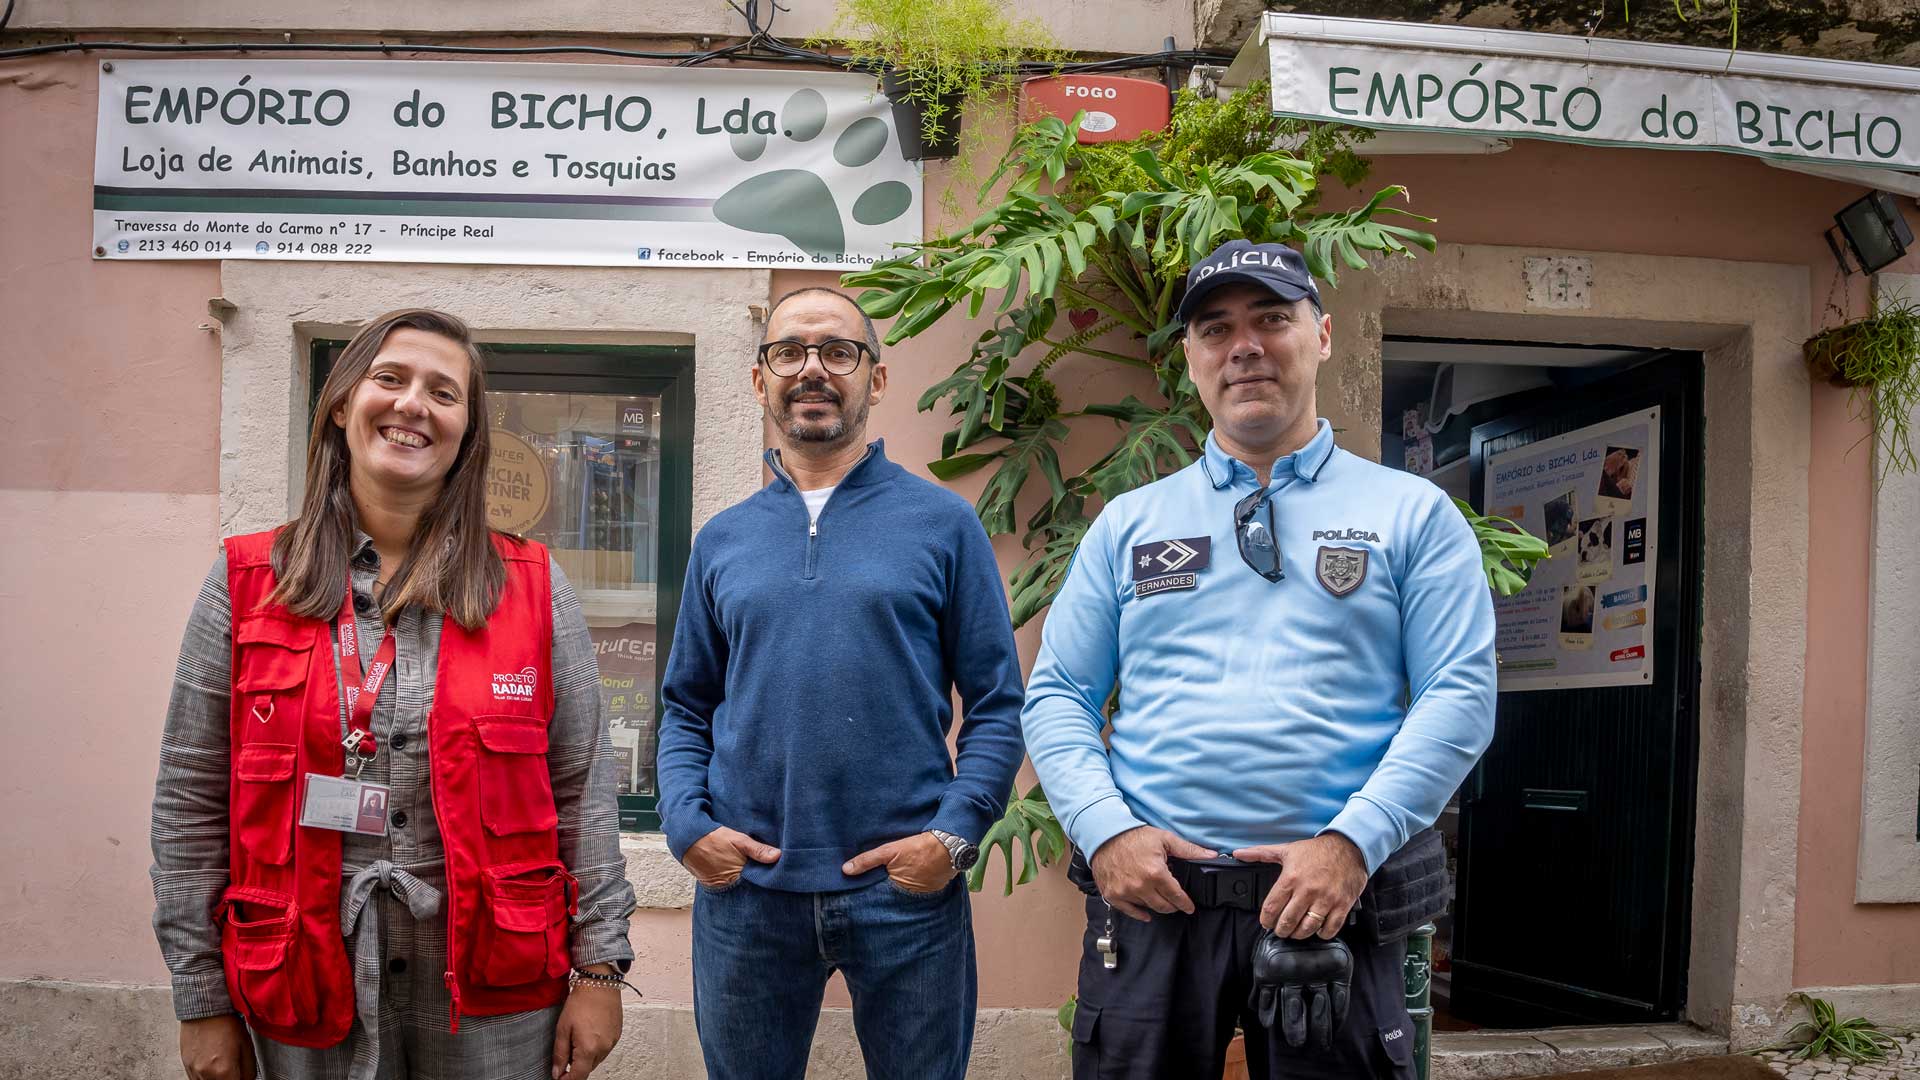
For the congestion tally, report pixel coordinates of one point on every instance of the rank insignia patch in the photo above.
(1341, 570)
(1169, 564)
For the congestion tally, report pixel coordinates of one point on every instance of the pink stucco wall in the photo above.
(110, 428)
(1838, 942)
(109, 463)
(108, 363)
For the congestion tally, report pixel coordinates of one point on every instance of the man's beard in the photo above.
(839, 429)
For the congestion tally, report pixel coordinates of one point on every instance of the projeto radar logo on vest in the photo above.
(515, 686)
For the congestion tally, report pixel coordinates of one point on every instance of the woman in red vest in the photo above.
(384, 833)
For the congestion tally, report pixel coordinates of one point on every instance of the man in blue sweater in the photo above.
(804, 774)
(1303, 644)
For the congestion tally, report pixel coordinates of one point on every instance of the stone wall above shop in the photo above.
(1876, 31)
(1087, 26)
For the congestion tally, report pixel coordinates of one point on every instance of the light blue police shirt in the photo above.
(1256, 712)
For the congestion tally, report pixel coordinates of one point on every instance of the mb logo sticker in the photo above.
(1341, 570)
(515, 686)
(1169, 564)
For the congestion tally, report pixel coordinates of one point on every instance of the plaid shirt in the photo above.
(190, 831)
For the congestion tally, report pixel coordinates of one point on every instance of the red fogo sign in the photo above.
(1117, 109)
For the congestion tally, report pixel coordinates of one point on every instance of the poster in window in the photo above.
(626, 657)
(1586, 617)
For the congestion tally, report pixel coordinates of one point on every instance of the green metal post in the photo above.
(1419, 986)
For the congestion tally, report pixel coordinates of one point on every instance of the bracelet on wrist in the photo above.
(579, 977)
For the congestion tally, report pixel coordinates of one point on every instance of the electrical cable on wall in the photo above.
(759, 44)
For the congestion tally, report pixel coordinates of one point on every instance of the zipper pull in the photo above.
(453, 991)
(813, 529)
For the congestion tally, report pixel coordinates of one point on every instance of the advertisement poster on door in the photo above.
(1586, 618)
(626, 657)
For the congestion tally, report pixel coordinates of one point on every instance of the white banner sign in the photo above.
(454, 162)
(1586, 618)
(1547, 86)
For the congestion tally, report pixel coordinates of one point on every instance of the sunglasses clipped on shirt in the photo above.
(786, 357)
(1259, 545)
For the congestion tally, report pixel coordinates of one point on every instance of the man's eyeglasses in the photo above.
(785, 358)
(1259, 546)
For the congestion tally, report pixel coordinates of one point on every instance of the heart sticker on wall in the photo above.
(1081, 318)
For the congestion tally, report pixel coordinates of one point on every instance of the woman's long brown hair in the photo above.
(451, 565)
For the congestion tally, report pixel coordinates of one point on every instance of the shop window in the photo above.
(592, 456)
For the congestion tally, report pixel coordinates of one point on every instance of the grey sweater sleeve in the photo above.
(190, 807)
(580, 758)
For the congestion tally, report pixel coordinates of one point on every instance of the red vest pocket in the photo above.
(272, 668)
(263, 801)
(523, 931)
(516, 790)
(257, 940)
(273, 652)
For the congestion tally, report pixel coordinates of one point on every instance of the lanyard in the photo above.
(360, 698)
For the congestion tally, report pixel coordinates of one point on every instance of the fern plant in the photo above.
(946, 55)
(1878, 357)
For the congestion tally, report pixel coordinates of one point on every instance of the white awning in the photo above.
(1505, 84)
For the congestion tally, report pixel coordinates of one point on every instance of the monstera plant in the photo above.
(1092, 242)
(1028, 823)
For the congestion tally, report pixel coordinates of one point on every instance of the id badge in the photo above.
(343, 805)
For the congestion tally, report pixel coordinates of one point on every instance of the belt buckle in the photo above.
(1232, 886)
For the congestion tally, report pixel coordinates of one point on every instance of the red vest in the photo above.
(508, 893)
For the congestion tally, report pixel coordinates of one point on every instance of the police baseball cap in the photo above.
(1275, 267)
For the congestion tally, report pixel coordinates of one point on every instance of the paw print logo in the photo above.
(798, 204)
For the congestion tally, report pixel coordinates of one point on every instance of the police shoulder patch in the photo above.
(1341, 569)
(1169, 564)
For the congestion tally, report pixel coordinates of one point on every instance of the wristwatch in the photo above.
(963, 854)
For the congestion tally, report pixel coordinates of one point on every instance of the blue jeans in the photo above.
(761, 959)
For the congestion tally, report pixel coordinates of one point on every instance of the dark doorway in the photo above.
(1573, 836)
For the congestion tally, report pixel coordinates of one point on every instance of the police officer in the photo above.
(1303, 643)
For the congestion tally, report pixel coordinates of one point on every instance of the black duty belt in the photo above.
(1225, 882)
(1409, 889)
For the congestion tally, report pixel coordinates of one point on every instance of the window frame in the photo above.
(665, 371)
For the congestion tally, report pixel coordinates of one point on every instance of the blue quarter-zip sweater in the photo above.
(808, 695)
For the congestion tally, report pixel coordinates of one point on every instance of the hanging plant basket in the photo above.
(909, 120)
(1824, 350)
(1879, 358)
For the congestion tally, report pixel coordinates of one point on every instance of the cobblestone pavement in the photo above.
(1903, 1066)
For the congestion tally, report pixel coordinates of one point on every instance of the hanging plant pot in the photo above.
(1879, 356)
(1823, 352)
(909, 120)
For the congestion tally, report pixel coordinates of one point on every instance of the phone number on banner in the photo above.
(167, 235)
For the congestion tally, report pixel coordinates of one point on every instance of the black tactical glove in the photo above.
(1304, 983)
